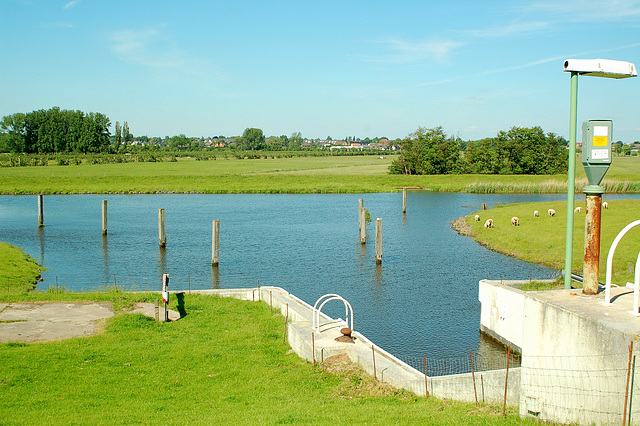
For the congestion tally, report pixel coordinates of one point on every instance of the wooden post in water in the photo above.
(378, 241)
(362, 221)
(215, 243)
(161, 234)
(40, 210)
(104, 217)
(404, 200)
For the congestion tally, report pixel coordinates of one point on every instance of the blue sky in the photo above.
(324, 68)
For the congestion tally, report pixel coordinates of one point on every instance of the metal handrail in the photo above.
(612, 250)
(348, 310)
(636, 289)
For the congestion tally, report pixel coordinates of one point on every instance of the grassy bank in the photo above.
(223, 363)
(345, 174)
(542, 240)
(18, 272)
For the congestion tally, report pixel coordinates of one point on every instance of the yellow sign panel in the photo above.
(600, 135)
(599, 141)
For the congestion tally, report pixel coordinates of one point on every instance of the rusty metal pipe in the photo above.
(591, 267)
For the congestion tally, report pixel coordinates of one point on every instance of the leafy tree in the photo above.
(277, 143)
(295, 141)
(529, 151)
(13, 131)
(55, 130)
(126, 134)
(428, 151)
(118, 136)
(178, 143)
(252, 139)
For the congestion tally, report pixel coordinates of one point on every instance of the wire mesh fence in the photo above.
(599, 388)
(435, 367)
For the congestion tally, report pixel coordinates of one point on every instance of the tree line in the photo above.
(55, 131)
(516, 151)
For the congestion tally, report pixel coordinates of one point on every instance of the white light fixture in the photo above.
(601, 68)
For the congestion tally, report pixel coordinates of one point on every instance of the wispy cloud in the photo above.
(588, 10)
(405, 52)
(154, 49)
(559, 58)
(508, 30)
(71, 4)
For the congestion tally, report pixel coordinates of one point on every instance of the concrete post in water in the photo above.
(161, 234)
(591, 268)
(363, 223)
(378, 241)
(215, 243)
(40, 210)
(104, 217)
(404, 200)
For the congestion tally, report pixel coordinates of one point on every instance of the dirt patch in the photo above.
(41, 322)
(356, 382)
(461, 227)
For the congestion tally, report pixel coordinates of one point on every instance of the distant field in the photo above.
(345, 174)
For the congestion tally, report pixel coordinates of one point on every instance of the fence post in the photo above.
(473, 376)
(362, 222)
(40, 211)
(161, 234)
(378, 241)
(404, 200)
(104, 217)
(506, 381)
(215, 244)
(626, 388)
(373, 354)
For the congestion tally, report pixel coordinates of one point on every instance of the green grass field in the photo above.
(344, 174)
(225, 362)
(18, 272)
(541, 240)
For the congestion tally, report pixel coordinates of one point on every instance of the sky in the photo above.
(360, 68)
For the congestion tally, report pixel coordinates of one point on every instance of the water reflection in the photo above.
(215, 277)
(40, 234)
(106, 273)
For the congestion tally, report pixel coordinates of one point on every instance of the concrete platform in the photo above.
(38, 322)
(575, 350)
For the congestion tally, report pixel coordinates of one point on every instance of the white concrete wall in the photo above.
(573, 366)
(502, 312)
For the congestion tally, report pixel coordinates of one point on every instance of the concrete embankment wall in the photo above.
(576, 360)
(314, 345)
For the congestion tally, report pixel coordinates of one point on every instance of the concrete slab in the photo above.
(616, 316)
(149, 310)
(38, 322)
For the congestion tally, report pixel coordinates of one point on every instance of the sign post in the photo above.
(165, 295)
(596, 159)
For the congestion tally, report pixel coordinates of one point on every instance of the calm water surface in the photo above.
(421, 301)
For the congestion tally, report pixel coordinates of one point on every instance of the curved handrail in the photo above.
(612, 250)
(636, 290)
(329, 297)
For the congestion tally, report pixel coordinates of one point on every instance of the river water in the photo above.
(422, 301)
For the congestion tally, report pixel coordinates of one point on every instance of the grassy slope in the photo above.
(224, 363)
(299, 174)
(18, 272)
(542, 240)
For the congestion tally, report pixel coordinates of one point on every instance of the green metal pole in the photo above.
(571, 179)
